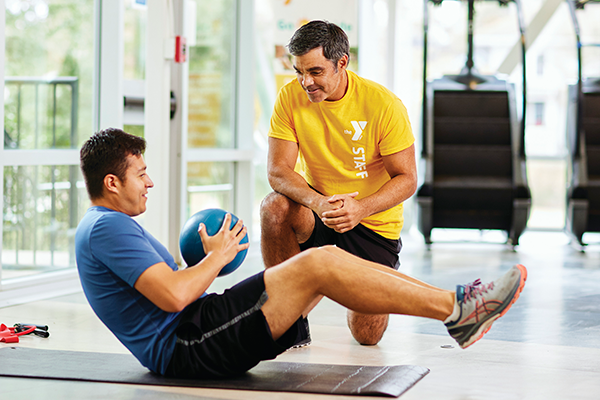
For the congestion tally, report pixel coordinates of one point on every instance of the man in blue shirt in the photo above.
(162, 315)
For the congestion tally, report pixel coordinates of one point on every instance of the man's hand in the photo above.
(347, 214)
(325, 204)
(225, 244)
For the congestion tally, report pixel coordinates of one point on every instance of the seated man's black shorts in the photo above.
(360, 241)
(227, 334)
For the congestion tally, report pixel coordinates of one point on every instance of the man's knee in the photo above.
(279, 214)
(310, 263)
(275, 208)
(367, 329)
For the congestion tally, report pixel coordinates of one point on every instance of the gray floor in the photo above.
(546, 347)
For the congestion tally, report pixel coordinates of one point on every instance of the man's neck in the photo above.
(344, 83)
(103, 202)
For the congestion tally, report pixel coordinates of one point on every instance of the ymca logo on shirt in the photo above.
(358, 156)
(358, 129)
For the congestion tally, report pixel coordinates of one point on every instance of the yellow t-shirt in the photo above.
(341, 143)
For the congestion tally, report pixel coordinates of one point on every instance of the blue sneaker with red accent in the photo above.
(480, 305)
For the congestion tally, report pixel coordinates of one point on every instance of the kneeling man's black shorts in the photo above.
(227, 334)
(360, 241)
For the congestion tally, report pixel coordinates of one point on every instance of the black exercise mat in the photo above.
(389, 381)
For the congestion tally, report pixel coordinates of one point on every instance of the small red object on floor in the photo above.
(8, 335)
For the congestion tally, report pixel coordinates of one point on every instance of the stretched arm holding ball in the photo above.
(172, 291)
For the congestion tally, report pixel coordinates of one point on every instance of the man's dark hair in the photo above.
(104, 153)
(330, 37)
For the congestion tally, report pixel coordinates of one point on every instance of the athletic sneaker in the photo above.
(303, 342)
(480, 305)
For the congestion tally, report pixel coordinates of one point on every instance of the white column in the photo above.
(391, 45)
(179, 127)
(160, 48)
(244, 127)
(367, 47)
(108, 77)
(374, 36)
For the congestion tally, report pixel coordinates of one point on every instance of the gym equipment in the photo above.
(583, 138)
(473, 146)
(11, 335)
(389, 381)
(39, 330)
(190, 243)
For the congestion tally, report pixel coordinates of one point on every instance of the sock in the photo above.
(456, 312)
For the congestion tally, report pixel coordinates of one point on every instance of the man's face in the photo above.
(318, 77)
(133, 191)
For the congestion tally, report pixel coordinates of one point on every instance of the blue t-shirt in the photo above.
(112, 251)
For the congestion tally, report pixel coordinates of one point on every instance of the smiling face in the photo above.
(319, 78)
(131, 193)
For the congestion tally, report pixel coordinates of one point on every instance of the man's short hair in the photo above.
(104, 153)
(330, 37)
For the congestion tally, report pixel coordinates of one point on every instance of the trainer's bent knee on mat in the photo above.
(366, 329)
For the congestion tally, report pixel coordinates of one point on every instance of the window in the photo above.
(48, 95)
(211, 76)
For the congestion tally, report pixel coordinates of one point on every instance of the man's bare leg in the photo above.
(352, 282)
(369, 329)
(352, 258)
(284, 223)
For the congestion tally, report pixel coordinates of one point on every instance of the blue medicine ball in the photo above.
(190, 243)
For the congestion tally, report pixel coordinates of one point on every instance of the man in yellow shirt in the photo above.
(341, 162)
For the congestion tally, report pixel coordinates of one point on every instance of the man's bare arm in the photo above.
(172, 291)
(283, 179)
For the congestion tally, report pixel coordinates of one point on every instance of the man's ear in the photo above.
(343, 62)
(112, 183)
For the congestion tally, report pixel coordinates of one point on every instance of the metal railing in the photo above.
(40, 192)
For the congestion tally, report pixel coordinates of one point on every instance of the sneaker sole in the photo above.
(487, 325)
(300, 345)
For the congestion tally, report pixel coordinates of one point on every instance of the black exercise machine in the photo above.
(473, 146)
(583, 138)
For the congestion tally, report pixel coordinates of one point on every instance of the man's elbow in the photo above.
(275, 177)
(173, 302)
(271, 178)
(407, 184)
(413, 185)
(174, 307)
